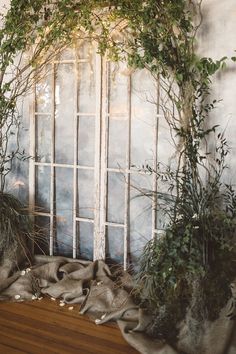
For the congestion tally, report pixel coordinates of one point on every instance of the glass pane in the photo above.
(65, 113)
(63, 211)
(42, 188)
(116, 197)
(66, 54)
(166, 148)
(115, 244)
(117, 145)
(118, 81)
(86, 141)
(86, 194)
(43, 138)
(85, 232)
(86, 87)
(41, 236)
(85, 50)
(140, 214)
(44, 91)
(143, 112)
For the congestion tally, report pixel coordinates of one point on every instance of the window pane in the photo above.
(86, 141)
(85, 50)
(85, 232)
(116, 197)
(115, 244)
(65, 113)
(117, 145)
(44, 91)
(86, 87)
(42, 188)
(140, 214)
(63, 210)
(118, 80)
(43, 138)
(41, 237)
(86, 193)
(66, 54)
(143, 121)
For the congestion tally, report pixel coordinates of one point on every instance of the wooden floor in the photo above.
(43, 327)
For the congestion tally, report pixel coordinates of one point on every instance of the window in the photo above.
(95, 124)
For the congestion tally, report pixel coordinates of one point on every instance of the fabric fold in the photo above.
(107, 297)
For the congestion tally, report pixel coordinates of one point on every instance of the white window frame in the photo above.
(101, 164)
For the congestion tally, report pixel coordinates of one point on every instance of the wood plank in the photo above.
(10, 350)
(40, 327)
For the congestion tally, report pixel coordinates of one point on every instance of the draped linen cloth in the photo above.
(96, 289)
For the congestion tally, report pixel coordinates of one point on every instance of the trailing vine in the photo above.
(196, 253)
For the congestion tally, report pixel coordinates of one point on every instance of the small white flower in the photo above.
(34, 297)
(53, 299)
(22, 272)
(196, 227)
(62, 304)
(179, 217)
(28, 270)
(97, 321)
(173, 42)
(17, 297)
(70, 308)
(194, 216)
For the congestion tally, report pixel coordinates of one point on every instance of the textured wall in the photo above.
(217, 38)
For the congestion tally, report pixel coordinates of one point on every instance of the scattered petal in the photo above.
(40, 298)
(62, 304)
(70, 308)
(22, 272)
(17, 297)
(97, 321)
(34, 297)
(99, 283)
(53, 299)
(28, 270)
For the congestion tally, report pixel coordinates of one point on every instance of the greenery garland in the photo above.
(160, 35)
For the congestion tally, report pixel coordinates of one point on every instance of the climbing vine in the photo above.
(159, 35)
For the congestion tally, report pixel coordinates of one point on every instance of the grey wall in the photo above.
(217, 38)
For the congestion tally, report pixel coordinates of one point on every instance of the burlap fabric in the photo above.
(92, 285)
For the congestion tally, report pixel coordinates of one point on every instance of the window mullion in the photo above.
(52, 180)
(97, 254)
(32, 152)
(127, 179)
(75, 171)
(155, 153)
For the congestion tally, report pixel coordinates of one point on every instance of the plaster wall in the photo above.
(217, 38)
